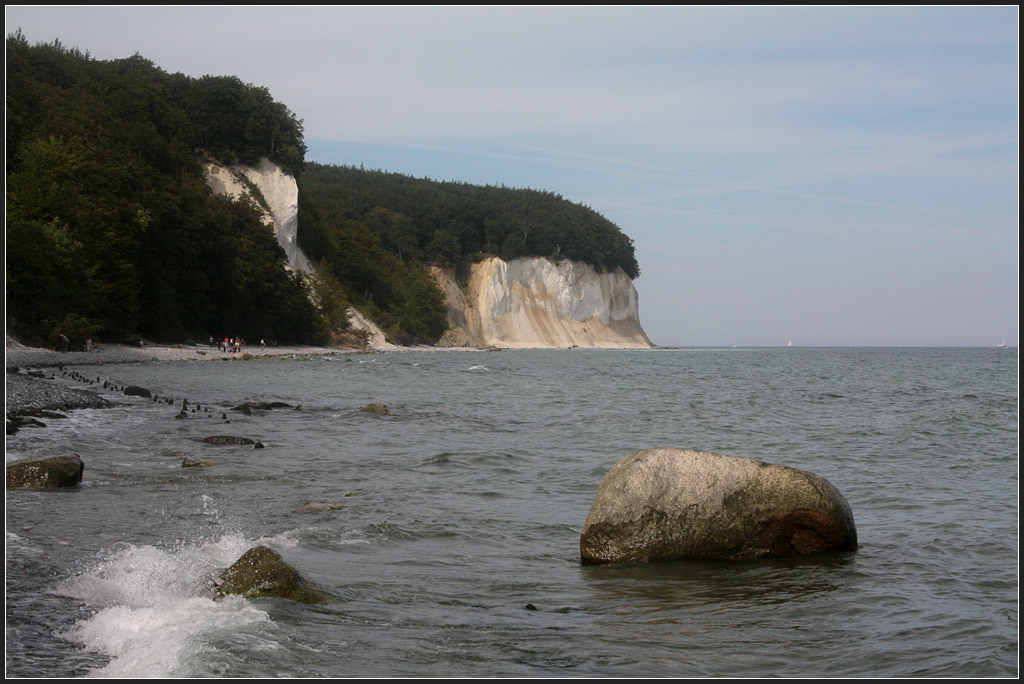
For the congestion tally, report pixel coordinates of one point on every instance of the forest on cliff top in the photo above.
(113, 234)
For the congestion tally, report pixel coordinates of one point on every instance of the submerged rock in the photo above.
(261, 572)
(192, 462)
(674, 504)
(321, 506)
(227, 439)
(44, 414)
(135, 391)
(60, 470)
(375, 408)
(248, 407)
(16, 422)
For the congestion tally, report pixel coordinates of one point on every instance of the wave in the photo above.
(154, 615)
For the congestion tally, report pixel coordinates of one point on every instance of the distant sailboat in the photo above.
(1001, 345)
(790, 343)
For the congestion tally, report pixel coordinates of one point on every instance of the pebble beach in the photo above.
(24, 392)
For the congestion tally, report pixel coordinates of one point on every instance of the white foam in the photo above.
(154, 613)
(157, 641)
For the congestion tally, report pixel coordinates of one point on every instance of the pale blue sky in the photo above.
(834, 176)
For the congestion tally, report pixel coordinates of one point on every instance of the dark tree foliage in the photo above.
(111, 230)
(234, 119)
(400, 295)
(448, 222)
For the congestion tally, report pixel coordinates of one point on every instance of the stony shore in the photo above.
(22, 356)
(24, 393)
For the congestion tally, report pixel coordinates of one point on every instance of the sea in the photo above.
(446, 533)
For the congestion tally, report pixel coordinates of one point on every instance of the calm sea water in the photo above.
(457, 550)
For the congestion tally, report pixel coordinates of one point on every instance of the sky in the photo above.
(830, 176)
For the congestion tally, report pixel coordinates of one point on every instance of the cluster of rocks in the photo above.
(259, 573)
(26, 392)
(29, 398)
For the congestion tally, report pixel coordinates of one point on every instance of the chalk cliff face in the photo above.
(529, 302)
(278, 197)
(534, 302)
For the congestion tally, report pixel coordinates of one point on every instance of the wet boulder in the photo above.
(227, 440)
(674, 504)
(16, 422)
(261, 572)
(136, 391)
(248, 407)
(60, 470)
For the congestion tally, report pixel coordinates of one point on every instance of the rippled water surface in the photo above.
(455, 549)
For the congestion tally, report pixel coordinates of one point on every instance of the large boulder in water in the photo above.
(261, 572)
(674, 504)
(60, 470)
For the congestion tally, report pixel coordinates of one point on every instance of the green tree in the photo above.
(329, 298)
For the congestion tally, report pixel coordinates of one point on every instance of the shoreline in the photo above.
(28, 392)
(17, 355)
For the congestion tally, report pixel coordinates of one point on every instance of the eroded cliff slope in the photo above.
(276, 193)
(535, 302)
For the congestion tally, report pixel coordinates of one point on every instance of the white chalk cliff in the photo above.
(527, 302)
(535, 302)
(277, 195)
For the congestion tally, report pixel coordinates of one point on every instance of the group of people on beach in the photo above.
(232, 345)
